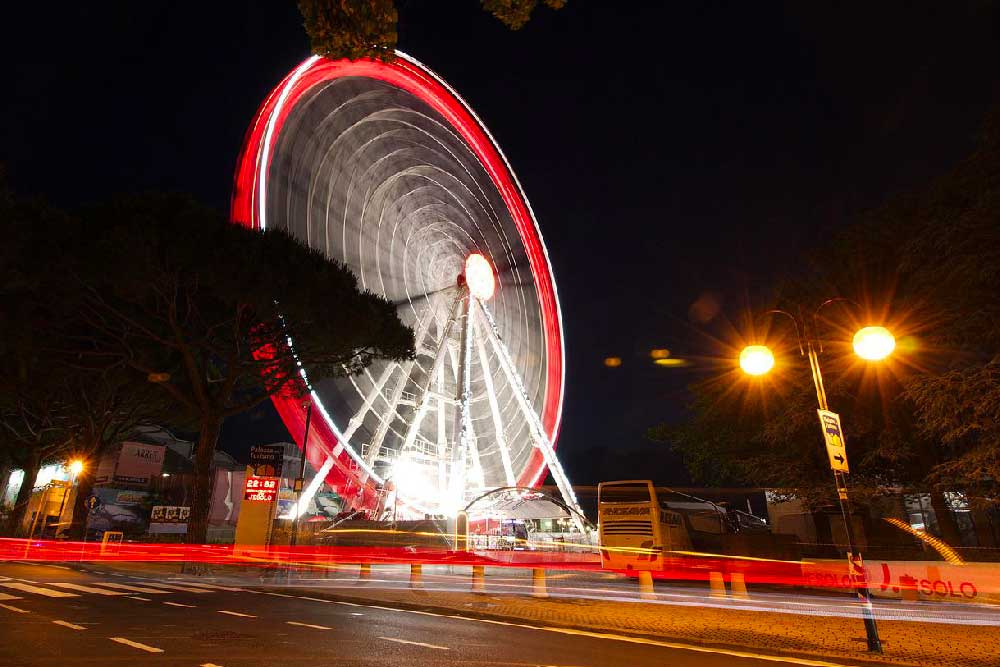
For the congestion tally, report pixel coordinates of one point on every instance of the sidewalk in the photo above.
(835, 638)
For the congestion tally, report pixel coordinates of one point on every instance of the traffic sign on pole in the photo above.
(836, 448)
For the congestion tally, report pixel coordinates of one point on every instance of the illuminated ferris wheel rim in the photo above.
(406, 73)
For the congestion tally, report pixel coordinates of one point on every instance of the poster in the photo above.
(138, 463)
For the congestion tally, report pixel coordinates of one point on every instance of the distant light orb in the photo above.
(479, 276)
(756, 359)
(659, 353)
(672, 362)
(613, 362)
(76, 467)
(874, 343)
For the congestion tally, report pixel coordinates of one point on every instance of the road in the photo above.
(54, 615)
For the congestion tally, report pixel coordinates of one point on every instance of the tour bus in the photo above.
(633, 528)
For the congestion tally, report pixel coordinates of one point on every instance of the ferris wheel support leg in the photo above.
(397, 392)
(539, 437)
(442, 437)
(423, 398)
(484, 362)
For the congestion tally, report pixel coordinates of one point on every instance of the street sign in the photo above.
(93, 502)
(266, 460)
(836, 448)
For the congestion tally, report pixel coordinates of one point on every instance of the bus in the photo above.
(640, 526)
(633, 529)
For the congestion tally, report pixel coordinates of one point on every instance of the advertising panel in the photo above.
(266, 460)
(169, 519)
(138, 463)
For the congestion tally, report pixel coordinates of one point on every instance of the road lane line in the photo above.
(216, 586)
(236, 613)
(134, 589)
(15, 609)
(186, 589)
(308, 625)
(136, 597)
(278, 595)
(403, 641)
(47, 592)
(178, 604)
(67, 624)
(303, 597)
(138, 645)
(86, 589)
(630, 639)
(4, 596)
(210, 664)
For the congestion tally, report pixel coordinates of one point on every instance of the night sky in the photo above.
(671, 151)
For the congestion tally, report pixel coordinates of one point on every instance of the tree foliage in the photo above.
(356, 29)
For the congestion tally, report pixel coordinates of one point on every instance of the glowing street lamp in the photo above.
(76, 467)
(874, 343)
(756, 359)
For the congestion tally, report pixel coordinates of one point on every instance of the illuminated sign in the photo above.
(261, 488)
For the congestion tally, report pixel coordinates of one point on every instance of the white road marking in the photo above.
(136, 597)
(178, 604)
(67, 624)
(86, 589)
(628, 639)
(303, 597)
(134, 589)
(4, 578)
(236, 613)
(15, 609)
(47, 592)
(173, 587)
(278, 595)
(4, 596)
(138, 645)
(308, 625)
(403, 641)
(215, 586)
(210, 664)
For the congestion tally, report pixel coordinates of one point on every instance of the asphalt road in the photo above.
(53, 615)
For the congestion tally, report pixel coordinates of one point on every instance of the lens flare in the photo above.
(874, 343)
(756, 360)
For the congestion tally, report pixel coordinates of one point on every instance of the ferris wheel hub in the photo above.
(479, 276)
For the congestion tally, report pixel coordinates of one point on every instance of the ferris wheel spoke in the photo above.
(541, 440)
(491, 395)
(423, 396)
(385, 421)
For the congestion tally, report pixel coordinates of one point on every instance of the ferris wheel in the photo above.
(383, 167)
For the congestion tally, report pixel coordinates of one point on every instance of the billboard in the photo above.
(266, 460)
(138, 463)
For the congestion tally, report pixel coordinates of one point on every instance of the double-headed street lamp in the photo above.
(871, 343)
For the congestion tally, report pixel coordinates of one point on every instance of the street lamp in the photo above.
(872, 343)
(76, 467)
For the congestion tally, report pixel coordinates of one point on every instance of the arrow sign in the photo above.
(833, 434)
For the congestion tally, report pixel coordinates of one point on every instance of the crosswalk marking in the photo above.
(86, 589)
(186, 589)
(47, 592)
(71, 626)
(138, 645)
(5, 597)
(14, 609)
(134, 589)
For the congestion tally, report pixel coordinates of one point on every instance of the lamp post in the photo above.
(298, 484)
(872, 343)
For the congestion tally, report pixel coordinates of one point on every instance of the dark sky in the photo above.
(670, 150)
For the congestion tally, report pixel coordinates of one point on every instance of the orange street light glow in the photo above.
(479, 276)
(874, 343)
(756, 360)
(76, 467)
(613, 362)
